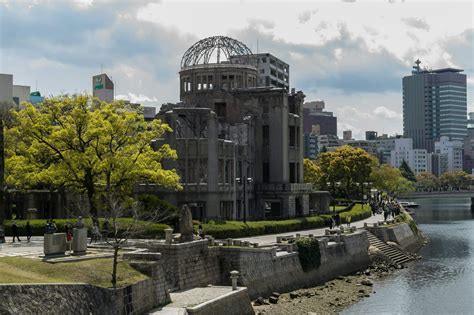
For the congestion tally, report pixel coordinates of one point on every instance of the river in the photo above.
(443, 281)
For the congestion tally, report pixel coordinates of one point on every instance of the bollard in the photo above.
(255, 245)
(366, 224)
(229, 242)
(327, 232)
(279, 238)
(289, 248)
(168, 236)
(234, 275)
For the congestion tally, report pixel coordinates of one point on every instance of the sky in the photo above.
(351, 54)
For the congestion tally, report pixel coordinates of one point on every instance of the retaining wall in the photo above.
(80, 299)
(233, 303)
(400, 234)
(263, 272)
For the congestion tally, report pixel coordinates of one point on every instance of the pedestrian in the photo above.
(338, 220)
(105, 229)
(200, 231)
(28, 230)
(15, 232)
(69, 236)
(95, 233)
(348, 220)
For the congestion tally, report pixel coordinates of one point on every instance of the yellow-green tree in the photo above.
(347, 165)
(426, 180)
(455, 179)
(312, 173)
(390, 179)
(86, 145)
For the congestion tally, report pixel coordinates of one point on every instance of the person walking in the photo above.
(69, 236)
(15, 232)
(28, 230)
(348, 220)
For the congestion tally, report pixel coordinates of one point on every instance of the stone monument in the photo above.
(79, 238)
(186, 225)
(54, 243)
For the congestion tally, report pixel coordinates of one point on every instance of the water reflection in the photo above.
(441, 283)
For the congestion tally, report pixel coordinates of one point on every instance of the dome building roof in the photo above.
(213, 50)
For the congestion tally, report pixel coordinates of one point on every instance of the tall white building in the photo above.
(450, 154)
(419, 160)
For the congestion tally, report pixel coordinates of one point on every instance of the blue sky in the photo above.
(352, 54)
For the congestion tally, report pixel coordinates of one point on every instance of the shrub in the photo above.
(153, 230)
(308, 252)
(235, 229)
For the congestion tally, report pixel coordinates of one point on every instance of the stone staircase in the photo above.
(394, 253)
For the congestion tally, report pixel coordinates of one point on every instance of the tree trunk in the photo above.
(114, 267)
(89, 181)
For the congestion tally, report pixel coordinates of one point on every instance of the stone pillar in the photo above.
(168, 236)
(234, 276)
(79, 241)
(55, 244)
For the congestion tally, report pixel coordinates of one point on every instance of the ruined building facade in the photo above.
(239, 146)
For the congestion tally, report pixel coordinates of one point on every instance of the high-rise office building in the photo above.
(315, 115)
(347, 135)
(370, 135)
(419, 160)
(434, 105)
(450, 153)
(103, 87)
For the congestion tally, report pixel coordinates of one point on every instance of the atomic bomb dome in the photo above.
(212, 50)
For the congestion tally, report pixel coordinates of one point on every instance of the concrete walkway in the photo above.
(271, 238)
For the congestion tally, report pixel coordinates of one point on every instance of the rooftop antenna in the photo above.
(417, 67)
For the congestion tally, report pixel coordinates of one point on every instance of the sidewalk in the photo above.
(271, 238)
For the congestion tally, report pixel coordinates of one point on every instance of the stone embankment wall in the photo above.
(401, 234)
(263, 272)
(235, 303)
(80, 299)
(187, 265)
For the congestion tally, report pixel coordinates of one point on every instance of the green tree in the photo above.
(426, 181)
(407, 172)
(86, 145)
(390, 179)
(455, 179)
(312, 173)
(347, 165)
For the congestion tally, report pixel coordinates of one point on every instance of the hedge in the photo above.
(153, 230)
(236, 229)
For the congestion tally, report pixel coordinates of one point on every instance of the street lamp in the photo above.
(243, 181)
(333, 193)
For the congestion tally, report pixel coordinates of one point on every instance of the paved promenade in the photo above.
(271, 238)
(23, 248)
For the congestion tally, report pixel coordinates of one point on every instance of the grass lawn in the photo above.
(94, 271)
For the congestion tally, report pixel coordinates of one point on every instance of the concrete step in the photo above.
(393, 253)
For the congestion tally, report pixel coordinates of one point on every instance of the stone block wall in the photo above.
(234, 303)
(187, 265)
(400, 234)
(262, 272)
(62, 299)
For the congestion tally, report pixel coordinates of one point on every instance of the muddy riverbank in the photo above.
(333, 296)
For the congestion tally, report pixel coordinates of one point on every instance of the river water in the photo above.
(443, 281)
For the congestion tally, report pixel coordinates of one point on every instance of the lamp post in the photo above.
(243, 181)
(333, 193)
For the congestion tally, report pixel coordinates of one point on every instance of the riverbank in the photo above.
(331, 297)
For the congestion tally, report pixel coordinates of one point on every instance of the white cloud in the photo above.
(416, 23)
(136, 98)
(384, 112)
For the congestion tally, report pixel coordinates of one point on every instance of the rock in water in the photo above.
(367, 282)
(186, 224)
(273, 300)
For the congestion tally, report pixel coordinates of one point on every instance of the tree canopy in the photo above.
(312, 173)
(407, 172)
(388, 178)
(346, 165)
(86, 145)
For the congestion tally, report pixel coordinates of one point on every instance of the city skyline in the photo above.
(351, 55)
